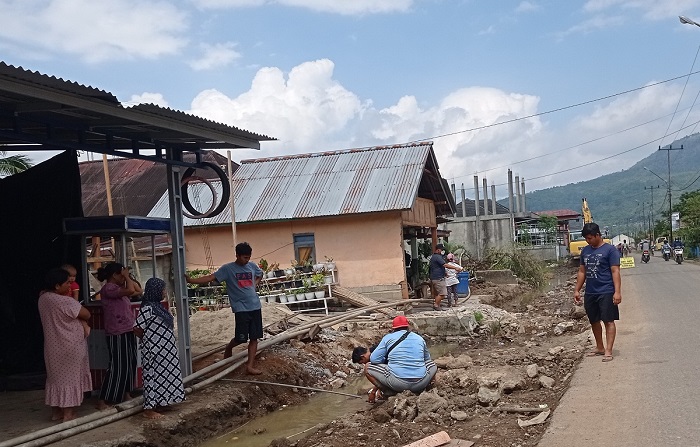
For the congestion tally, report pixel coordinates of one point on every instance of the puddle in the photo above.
(294, 422)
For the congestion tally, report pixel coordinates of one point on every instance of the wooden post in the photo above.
(232, 199)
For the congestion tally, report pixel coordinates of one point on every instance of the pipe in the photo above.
(321, 390)
(79, 425)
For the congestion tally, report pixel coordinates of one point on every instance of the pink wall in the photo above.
(367, 249)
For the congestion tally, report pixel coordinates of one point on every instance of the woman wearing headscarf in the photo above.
(119, 328)
(451, 280)
(162, 380)
(65, 347)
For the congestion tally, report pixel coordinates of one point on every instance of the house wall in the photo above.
(367, 248)
(495, 232)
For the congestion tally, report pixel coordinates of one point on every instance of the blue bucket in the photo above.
(463, 286)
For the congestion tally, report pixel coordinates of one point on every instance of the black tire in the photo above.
(225, 191)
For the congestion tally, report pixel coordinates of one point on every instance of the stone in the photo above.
(459, 415)
(531, 370)
(431, 402)
(547, 382)
(556, 350)
(337, 383)
(488, 395)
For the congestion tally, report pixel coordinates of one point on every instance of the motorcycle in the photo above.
(678, 252)
(667, 253)
(645, 256)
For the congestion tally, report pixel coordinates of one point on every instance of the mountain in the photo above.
(617, 200)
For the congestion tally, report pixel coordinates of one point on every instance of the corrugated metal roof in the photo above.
(321, 184)
(136, 185)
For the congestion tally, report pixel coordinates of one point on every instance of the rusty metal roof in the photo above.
(335, 183)
(136, 185)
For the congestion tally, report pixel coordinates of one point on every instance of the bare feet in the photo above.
(68, 414)
(252, 371)
(56, 413)
(150, 414)
(102, 405)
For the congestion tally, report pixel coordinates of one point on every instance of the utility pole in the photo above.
(651, 210)
(668, 184)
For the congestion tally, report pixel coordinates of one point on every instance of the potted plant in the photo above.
(309, 289)
(299, 294)
(196, 273)
(318, 280)
(330, 265)
(308, 266)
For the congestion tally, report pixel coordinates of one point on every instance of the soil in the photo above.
(522, 353)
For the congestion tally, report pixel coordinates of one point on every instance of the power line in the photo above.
(553, 110)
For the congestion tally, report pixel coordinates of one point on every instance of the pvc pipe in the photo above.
(79, 425)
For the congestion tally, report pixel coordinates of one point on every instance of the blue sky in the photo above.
(334, 74)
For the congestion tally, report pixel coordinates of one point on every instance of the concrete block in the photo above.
(497, 276)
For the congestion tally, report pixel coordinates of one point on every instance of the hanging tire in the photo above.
(225, 192)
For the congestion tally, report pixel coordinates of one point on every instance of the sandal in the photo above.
(608, 358)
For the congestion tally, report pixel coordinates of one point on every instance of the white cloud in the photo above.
(305, 110)
(346, 7)
(650, 9)
(215, 56)
(146, 98)
(94, 31)
(309, 111)
(526, 6)
(592, 24)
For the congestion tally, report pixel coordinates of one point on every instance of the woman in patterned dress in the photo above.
(162, 380)
(65, 347)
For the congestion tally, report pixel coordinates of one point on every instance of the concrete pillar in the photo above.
(454, 196)
(510, 205)
(486, 198)
(464, 202)
(517, 194)
(522, 194)
(478, 221)
(493, 200)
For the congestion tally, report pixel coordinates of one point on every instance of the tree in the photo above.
(13, 164)
(689, 208)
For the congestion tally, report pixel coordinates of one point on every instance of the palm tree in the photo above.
(13, 164)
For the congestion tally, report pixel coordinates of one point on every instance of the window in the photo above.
(304, 248)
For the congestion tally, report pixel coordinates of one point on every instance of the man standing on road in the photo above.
(600, 269)
(437, 275)
(241, 276)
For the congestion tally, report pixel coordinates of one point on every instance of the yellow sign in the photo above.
(627, 263)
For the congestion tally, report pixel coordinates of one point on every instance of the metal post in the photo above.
(522, 193)
(464, 202)
(178, 254)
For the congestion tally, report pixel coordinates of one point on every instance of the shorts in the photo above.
(439, 286)
(248, 326)
(600, 307)
(389, 384)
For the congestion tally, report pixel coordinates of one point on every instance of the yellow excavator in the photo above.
(576, 239)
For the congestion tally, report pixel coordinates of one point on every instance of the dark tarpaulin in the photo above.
(33, 204)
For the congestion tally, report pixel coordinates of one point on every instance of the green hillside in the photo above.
(616, 199)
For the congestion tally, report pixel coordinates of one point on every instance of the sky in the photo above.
(557, 91)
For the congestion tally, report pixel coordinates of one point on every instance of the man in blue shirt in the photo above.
(436, 270)
(600, 269)
(400, 361)
(241, 276)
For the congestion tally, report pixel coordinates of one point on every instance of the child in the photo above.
(74, 286)
(74, 292)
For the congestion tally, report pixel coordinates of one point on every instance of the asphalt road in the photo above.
(649, 394)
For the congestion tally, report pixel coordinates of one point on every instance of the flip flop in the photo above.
(594, 353)
(608, 358)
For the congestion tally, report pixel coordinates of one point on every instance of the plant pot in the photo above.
(319, 294)
(307, 269)
(318, 267)
(289, 272)
(269, 275)
(191, 293)
(330, 265)
(279, 273)
(300, 297)
(283, 299)
(309, 295)
(298, 283)
(328, 279)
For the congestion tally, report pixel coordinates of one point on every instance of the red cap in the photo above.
(399, 321)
